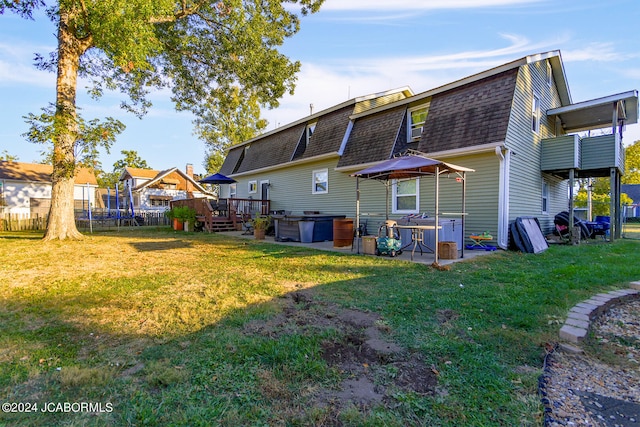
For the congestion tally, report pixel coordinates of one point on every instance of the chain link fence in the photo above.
(631, 222)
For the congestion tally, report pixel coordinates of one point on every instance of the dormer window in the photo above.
(417, 117)
(311, 128)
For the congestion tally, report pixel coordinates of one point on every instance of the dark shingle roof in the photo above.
(631, 190)
(373, 137)
(279, 147)
(272, 150)
(231, 162)
(329, 133)
(473, 114)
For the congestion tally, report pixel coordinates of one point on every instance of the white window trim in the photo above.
(309, 131)
(313, 181)
(233, 190)
(262, 182)
(549, 74)
(536, 108)
(545, 197)
(252, 187)
(394, 199)
(410, 123)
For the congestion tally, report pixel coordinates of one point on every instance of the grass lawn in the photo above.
(156, 327)
(631, 230)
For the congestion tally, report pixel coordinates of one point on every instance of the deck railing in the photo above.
(249, 206)
(232, 209)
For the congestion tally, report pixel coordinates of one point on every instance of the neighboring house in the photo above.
(633, 191)
(511, 124)
(153, 190)
(25, 188)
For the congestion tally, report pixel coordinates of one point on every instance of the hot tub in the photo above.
(304, 228)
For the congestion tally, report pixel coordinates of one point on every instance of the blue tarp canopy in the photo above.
(217, 178)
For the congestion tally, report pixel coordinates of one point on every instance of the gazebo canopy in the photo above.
(412, 165)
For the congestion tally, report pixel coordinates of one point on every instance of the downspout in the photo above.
(503, 197)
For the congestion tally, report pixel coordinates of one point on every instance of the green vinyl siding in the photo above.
(561, 153)
(291, 190)
(482, 193)
(525, 179)
(558, 201)
(601, 152)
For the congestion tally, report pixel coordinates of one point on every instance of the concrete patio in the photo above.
(425, 258)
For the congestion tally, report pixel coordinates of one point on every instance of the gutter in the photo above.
(477, 149)
(287, 164)
(504, 155)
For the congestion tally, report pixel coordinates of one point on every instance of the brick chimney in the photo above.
(189, 170)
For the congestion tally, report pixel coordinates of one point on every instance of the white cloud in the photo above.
(631, 73)
(605, 52)
(16, 73)
(16, 66)
(330, 83)
(470, 59)
(397, 5)
(631, 134)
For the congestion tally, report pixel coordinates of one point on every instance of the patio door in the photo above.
(264, 194)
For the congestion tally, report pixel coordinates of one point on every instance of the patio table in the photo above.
(417, 237)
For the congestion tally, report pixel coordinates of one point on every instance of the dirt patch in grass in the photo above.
(373, 367)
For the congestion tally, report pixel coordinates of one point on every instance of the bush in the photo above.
(182, 213)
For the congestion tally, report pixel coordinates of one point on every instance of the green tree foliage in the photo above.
(600, 202)
(91, 136)
(130, 159)
(200, 50)
(632, 164)
(228, 121)
(8, 157)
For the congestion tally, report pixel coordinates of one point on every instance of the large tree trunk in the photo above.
(61, 224)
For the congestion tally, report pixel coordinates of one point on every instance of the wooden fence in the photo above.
(22, 222)
(99, 219)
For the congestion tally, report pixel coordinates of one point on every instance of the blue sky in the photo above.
(353, 48)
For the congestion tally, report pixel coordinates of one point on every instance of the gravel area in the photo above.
(601, 385)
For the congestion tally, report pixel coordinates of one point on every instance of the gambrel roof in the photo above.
(471, 112)
(469, 115)
(288, 144)
(373, 137)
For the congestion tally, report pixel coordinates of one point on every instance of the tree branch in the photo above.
(182, 13)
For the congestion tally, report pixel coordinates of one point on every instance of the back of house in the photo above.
(514, 124)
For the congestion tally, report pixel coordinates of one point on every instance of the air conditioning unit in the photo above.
(416, 132)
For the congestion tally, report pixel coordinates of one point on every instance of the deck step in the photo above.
(217, 226)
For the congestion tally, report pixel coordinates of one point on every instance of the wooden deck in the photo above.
(229, 219)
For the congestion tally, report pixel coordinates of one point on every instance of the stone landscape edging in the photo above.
(576, 326)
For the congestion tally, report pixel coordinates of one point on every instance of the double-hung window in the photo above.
(253, 187)
(535, 113)
(406, 197)
(311, 128)
(417, 117)
(545, 196)
(320, 181)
